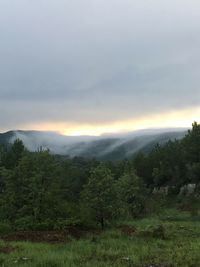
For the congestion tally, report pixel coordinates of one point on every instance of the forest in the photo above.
(41, 191)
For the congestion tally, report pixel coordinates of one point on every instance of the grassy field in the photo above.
(172, 239)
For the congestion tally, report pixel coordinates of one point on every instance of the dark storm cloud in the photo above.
(96, 60)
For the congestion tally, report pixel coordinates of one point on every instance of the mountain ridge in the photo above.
(105, 147)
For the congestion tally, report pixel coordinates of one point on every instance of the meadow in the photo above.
(171, 239)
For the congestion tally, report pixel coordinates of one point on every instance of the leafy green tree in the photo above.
(13, 155)
(143, 165)
(99, 195)
(193, 172)
(33, 189)
(191, 144)
(131, 194)
(75, 174)
(164, 165)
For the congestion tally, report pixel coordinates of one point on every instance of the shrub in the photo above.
(155, 232)
(5, 228)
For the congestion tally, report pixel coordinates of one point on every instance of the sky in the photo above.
(99, 66)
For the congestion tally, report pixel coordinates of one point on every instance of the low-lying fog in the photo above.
(92, 146)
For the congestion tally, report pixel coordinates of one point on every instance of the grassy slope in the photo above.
(181, 247)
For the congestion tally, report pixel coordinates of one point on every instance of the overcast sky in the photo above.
(78, 65)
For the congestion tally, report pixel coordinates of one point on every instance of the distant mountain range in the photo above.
(105, 147)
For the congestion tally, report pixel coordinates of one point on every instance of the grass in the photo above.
(179, 248)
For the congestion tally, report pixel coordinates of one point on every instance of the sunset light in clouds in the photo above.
(181, 118)
(96, 66)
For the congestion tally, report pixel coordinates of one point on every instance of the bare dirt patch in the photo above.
(36, 236)
(7, 249)
(59, 236)
(127, 230)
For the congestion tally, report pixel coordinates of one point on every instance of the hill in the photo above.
(105, 147)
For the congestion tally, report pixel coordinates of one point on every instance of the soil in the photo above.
(127, 230)
(6, 249)
(58, 236)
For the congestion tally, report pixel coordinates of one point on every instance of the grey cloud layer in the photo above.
(97, 60)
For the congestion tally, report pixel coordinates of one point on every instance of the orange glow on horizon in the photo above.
(180, 118)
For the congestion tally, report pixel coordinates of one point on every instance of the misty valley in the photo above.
(103, 147)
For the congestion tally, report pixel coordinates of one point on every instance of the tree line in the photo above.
(39, 190)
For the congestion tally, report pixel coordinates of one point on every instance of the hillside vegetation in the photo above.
(137, 212)
(168, 240)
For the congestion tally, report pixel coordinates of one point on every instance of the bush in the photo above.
(63, 224)
(154, 232)
(5, 228)
(25, 223)
(159, 232)
(194, 212)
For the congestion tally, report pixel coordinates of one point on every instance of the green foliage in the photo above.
(5, 228)
(131, 194)
(42, 191)
(174, 163)
(191, 143)
(152, 231)
(193, 172)
(179, 246)
(99, 194)
(13, 155)
(32, 188)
